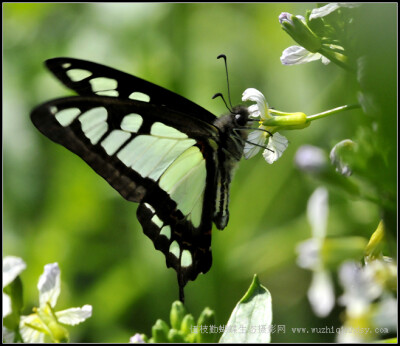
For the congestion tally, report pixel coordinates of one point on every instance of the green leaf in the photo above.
(251, 319)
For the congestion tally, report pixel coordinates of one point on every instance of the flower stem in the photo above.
(332, 111)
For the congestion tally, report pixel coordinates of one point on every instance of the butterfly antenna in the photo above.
(227, 76)
(223, 99)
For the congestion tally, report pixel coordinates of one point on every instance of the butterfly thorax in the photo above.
(232, 144)
(230, 127)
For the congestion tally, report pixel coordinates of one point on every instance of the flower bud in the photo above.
(176, 336)
(160, 331)
(375, 244)
(292, 119)
(338, 156)
(177, 314)
(207, 318)
(187, 324)
(296, 27)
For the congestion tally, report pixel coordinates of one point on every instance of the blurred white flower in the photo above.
(320, 293)
(367, 299)
(276, 144)
(44, 320)
(12, 267)
(137, 339)
(310, 158)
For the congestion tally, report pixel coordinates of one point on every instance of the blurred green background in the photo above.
(56, 209)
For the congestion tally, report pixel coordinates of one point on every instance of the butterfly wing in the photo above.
(91, 79)
(152, 155)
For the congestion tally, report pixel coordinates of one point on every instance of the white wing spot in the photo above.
(94, 123)
(186, 259)
(103, 84)
(53, 110)
(66, 65)
(138, 96)
(155, 219)
(174, 249)
(67, 116)
(150, 207)
(166, 231)
(76, 74)
(114, 141)
(131, 122)
(159, 129)
(112, 93)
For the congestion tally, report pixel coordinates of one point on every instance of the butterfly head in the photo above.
(241, 115)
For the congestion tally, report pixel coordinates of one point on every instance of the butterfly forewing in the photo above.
(88, 79)
(150, 155)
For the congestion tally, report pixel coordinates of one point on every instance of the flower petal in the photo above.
(252, 94)
(278, 144)
(8, 336)
(327, 9)
(7, 307)
(74, 316)
(309, 254)
(49, 285)
(12, 267)
(360, 288)
(256, 137)
(321, 294)
(28, 334)
(296, 55)
(317, 212)
(253, 111)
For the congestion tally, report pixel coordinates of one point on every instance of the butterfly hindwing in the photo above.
(150, 155)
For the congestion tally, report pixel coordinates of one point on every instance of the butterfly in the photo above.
(154, 147)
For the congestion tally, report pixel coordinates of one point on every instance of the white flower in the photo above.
(12, 267)
(137, 339)
(44, 321)
(310, 159)
(327, 9)
(276, 143)
(296, 55)
(366, 299)
(320, 293)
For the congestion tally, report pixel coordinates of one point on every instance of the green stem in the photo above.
(337, 58)
(332, 111)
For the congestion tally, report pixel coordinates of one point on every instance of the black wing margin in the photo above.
(124, 87)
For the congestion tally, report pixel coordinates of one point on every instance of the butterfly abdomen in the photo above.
(229, 154)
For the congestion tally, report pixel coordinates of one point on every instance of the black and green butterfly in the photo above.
(155, 148)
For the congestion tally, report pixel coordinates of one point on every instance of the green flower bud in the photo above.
(187, 323)
(300, 32)
(375, 244)
(291, 119)
(177, 314)
(176, 336)
(334, 251)
(192, 338)
(207, 319)
(160, 331)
